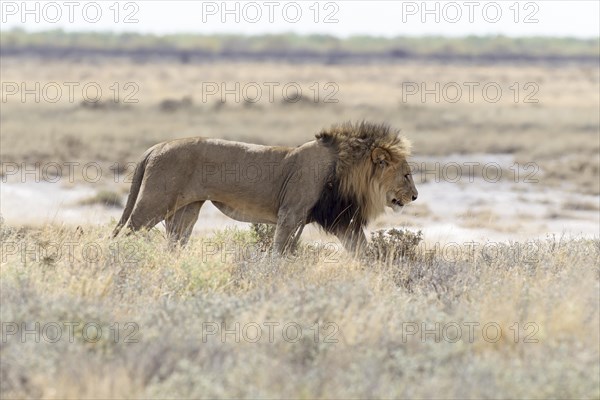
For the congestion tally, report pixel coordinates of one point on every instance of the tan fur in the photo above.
(358, 167)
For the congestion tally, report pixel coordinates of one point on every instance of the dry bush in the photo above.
(393, 245)
(105, 198)
(264, 234)
(172, 105)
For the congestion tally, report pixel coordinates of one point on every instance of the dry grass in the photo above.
(172, 296)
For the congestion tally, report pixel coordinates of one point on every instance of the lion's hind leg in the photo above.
(180, 224)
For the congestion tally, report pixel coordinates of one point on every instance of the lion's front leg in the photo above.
(288, 231)
(353, 239)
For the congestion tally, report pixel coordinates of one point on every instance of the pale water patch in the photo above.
(42, 203)
(479, 211)
(480, 208)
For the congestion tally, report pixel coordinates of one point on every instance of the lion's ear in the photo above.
(381, 157)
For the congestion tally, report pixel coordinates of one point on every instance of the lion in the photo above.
(341, 181)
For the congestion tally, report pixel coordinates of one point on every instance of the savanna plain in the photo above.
(486, 287)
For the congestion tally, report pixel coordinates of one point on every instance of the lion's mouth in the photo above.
(397, 203)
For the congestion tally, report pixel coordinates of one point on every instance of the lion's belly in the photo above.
(251, 214)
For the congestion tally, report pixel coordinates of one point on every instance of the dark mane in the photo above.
(335, 212)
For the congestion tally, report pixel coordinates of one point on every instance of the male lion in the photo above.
(341, 180)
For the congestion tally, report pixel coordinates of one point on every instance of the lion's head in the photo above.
(371, 172)
(396, 180)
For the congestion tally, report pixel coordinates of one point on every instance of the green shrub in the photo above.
(264, 234)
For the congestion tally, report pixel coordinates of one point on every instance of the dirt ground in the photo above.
(540, 131)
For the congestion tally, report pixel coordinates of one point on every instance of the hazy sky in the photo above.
(342, 18)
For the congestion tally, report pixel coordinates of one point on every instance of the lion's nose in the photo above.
(414, 197)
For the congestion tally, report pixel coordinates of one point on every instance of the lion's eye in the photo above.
(407, 176)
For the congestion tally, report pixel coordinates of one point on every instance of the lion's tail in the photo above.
(138, 176)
